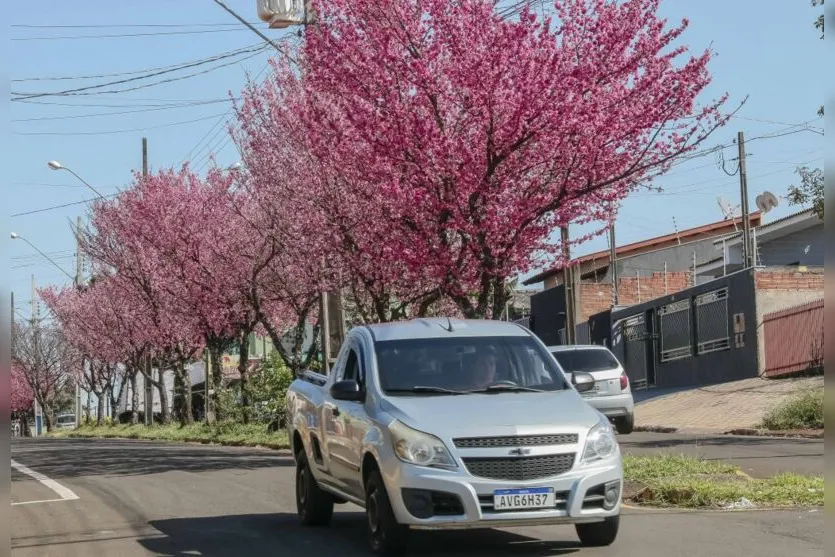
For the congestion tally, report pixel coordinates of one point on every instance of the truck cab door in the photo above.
(338, 418)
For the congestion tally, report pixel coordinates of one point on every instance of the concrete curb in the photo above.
(799, 434)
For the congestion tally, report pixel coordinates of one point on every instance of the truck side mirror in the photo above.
(583, 382)
(347, 390)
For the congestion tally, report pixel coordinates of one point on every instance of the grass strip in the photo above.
(232, 434)
(671, 480)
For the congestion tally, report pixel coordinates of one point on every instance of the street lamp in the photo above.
(55, 165)
(16, 236)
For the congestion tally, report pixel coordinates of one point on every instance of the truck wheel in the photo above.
(315, 507)
(625, 424)
(385, 535)
(598, 534)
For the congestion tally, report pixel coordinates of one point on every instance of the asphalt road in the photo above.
(138, 498)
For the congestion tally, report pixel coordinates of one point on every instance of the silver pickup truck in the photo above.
(440, 424)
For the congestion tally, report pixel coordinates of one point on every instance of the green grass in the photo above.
(802, 411)
(684, 481)
(222, 433)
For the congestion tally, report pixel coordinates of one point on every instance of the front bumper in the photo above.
(464, 501)
(613, 406)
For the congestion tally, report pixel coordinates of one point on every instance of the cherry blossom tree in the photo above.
(21, 393)
(438, 140)
(45, 361)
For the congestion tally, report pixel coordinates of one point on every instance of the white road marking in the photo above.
(40, 501)
(64, 493)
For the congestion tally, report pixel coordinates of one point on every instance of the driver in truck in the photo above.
(484, 370)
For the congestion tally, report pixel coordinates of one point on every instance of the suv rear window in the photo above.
(586, 360)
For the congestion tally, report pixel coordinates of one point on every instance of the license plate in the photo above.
(523, 499)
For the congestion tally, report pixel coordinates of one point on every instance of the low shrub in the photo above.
(802, 411)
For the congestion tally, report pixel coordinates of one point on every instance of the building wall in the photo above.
(678, 257)
(597, 297)
(779, 289)
(792, 248)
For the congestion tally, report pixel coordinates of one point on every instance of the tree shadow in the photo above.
(280, 534)
(72, 458)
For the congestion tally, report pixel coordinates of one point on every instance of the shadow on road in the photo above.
(280, 534)
(72, 458)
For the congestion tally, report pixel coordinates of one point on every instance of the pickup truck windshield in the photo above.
(439, 366)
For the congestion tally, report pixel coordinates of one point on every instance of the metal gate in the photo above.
(635, 350)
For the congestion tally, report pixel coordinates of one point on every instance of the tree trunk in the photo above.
(188, 412)
(243, 368)
(89, 409)
(100, 408)
(165, 409)
(134, 401)
(47, 417)
(215, 378)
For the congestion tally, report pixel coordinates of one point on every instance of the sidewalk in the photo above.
(717, 408)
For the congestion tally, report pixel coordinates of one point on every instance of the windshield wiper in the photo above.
(507, 388)
(427, 389)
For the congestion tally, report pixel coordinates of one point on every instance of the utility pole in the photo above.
(324, 320)
(613, 253)
(78, 280)
(149, 392)
(568, 284)
(743, 191)
(33, 318)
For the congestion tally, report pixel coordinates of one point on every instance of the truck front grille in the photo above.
(515, 441)
(520, 468)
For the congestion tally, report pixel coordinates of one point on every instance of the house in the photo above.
(646, 270)
(795, 241)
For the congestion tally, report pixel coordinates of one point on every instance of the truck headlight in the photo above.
(600, 443)
(416, 447)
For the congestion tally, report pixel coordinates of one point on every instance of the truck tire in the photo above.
(314, 506)
(625, 424)
(599, 534)
(385, 535)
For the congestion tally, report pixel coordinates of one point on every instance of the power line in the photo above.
(119, 113)
(126, 25)
(126, 35)
(133, 102)
(79, 90)
(146, 70)
(62, 206)
(105, 132)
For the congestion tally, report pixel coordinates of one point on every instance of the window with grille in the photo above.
(674, 329)
(712, 323)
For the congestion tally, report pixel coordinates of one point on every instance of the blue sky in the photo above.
(769, 54)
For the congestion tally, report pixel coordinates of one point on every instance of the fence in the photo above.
(692, 337)
(793, 340)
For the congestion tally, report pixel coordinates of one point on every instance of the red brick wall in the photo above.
(788, 280)
(597, 297)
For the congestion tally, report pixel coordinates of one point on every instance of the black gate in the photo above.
(635, 350)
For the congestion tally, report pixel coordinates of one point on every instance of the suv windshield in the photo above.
(466, 365)
(586, 360)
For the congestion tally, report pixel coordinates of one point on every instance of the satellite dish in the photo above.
(727, 211)
(766, 201)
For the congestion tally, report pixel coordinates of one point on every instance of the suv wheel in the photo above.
(314, 506)
(385, 535)
(598, 534)
(625, 424)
